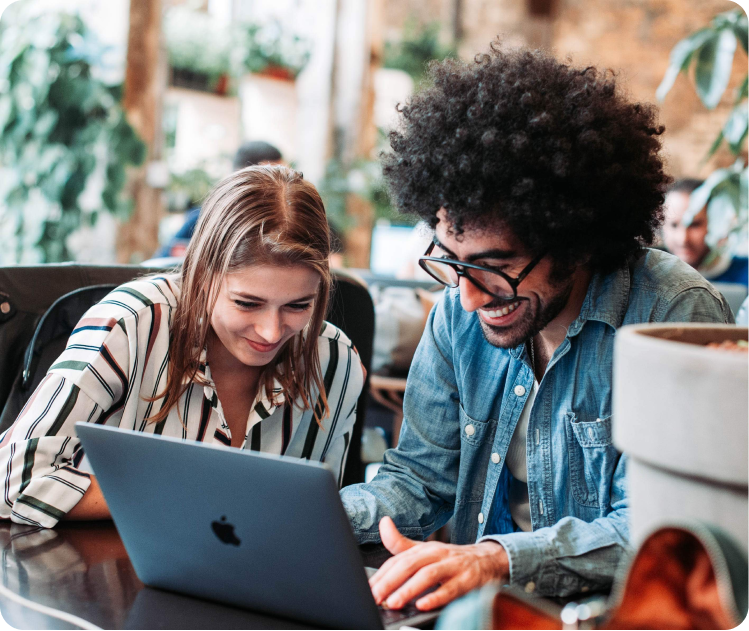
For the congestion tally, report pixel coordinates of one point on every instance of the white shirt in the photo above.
(517, 463)
(116, 357)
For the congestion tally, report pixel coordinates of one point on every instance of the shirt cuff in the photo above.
(47, 499)
(527, 553)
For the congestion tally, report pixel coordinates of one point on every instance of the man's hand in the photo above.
(417, 566)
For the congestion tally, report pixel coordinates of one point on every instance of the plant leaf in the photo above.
(741, 28)
(743, 211)
(700, 196)
(713, 148)
(713, 67)
(742, 91)
(681, 55)
(721, 213)
(735, 127)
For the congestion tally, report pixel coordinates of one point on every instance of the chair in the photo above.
(734, 293)
(40, 305)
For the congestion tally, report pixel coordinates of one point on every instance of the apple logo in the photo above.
(225, 531)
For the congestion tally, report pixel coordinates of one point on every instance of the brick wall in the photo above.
(632, 37)
(635, 37)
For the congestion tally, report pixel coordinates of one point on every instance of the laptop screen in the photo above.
(391, 248)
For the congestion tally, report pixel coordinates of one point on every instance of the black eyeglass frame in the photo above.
(461, 268)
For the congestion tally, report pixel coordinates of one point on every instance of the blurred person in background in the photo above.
(688, 242)
(249, 154)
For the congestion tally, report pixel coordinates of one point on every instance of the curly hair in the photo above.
(555, 153)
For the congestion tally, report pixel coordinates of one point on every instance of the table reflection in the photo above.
(82, 569)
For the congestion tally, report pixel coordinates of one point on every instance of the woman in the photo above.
(233, 350)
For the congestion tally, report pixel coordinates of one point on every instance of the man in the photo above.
(688, 242)
(542, 183)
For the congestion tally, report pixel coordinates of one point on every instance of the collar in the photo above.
(267, 405)
(605, 301)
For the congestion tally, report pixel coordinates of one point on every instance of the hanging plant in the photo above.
(59, 125)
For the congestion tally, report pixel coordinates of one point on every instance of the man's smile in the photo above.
(502, 316)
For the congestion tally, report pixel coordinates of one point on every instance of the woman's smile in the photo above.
(263, 348)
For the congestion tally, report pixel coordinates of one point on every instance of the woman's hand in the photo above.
(417, 566)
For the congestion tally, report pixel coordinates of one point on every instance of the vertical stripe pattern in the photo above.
(116, 357)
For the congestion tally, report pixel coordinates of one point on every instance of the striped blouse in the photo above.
(115, 359)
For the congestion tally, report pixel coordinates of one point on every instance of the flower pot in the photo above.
(222, 85)
(680, 413)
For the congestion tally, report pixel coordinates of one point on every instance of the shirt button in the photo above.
(530, 587)
(496, 458)
(590, 433)
(470, 430)
(519, 391)
(481, 518)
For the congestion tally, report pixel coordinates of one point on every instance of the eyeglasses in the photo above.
(490, 281)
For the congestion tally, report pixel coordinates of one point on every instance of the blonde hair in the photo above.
(264, 214)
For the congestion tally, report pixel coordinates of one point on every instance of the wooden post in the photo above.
(359, 238)
(145, 77)
(457, 21)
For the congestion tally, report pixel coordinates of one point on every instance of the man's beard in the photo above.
(534, 321)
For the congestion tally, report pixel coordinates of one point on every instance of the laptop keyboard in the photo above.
(391, 617)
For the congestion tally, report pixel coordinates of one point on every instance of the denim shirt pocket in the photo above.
(592, 459)
(476, 438)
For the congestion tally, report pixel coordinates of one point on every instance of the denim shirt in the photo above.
(462, 403)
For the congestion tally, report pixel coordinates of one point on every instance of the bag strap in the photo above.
(68, 308)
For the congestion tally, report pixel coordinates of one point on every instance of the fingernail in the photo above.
(394, 603)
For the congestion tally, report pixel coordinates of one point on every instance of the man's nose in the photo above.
(471, 297)
(269, 327)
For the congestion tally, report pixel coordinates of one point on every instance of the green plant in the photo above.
(710, 51)
(269, 49)
(189, 188)
(362, 178)
(196, 43)
(59, 124)
(419, 46)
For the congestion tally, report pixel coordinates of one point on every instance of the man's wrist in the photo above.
(497, 557)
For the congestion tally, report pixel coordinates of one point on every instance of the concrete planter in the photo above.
(680, 413)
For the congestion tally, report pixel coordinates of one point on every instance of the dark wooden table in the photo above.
(83, 569)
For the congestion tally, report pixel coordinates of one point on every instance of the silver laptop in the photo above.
(267, 533)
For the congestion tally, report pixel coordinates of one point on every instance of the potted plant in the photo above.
(269, 58)
(269, 50)
(199, 51)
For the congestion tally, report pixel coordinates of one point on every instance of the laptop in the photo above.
(267, 533)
